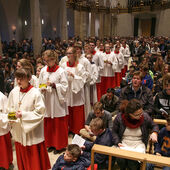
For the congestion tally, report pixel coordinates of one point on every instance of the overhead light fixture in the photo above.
(25, 22)
(42, 21)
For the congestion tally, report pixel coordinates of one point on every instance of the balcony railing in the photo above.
(133, 6)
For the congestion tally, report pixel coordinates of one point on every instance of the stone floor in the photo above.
(52, 157)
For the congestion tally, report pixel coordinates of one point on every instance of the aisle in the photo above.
(52, 157)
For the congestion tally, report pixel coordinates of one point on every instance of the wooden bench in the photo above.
(160, 121)
(116, 152)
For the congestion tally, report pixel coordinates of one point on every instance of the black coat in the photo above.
(144, 95)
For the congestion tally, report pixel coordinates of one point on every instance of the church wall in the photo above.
(163, 25)
(125, 24)
(70, 22)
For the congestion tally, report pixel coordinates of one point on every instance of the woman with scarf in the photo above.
(131, 130)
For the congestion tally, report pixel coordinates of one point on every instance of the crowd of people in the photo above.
(108, 91)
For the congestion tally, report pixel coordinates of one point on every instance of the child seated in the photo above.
(104, 137)
(71, 159)
(162, 147)
(98, 112)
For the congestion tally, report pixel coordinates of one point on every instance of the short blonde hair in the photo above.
(97, 124)
(51, 54)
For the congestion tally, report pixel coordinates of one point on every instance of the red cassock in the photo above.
(118, 78)
(56, 132)
(30, 157)
(6, 151)
(107, 82)
(76, 118)
(99, 95)
(124, 71)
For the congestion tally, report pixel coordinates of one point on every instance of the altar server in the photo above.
(28, 130)
(108, 76)
(55, 122)
(75, 95)
(6, 157)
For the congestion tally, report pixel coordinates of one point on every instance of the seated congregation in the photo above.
(107, 91)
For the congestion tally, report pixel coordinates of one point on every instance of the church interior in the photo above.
(128, 41)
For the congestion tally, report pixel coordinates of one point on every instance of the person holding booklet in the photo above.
(131, 130)
(103, 137)
(98, 112)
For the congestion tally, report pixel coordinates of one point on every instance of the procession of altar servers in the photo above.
(75, 88)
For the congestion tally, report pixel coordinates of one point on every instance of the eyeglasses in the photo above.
(47, 61)
(137, 115)
(69, 53)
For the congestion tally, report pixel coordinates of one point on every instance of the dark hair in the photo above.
(74, 150)
(98, 106)
(111, 90)
(78, 45)
(168, 119)
(23, 73)
(145, 68)
(123, 84)
(133, 106)
(123, 105)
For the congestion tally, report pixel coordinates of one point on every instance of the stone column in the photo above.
(83, 24)
(101, 25)
(76, 23)
(114, 25)
(125, 21)
(92, 28)
(0, 47)
(64, 31)
(162, 23)
(107, 25)
(36, 26)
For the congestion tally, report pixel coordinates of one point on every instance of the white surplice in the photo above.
(93, 89)
(63, 60)
(75, 94)
(4, 126)
(108, 70)
(119, 60)
(97, 59)
(85, 62)
(126, 53)
(27, 130)
(55, 98)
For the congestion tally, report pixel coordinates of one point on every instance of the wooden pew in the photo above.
(160, 121)
(116, 152)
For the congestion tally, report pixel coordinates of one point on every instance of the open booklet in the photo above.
(141, 150)
(164, 111)
(78, 140)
